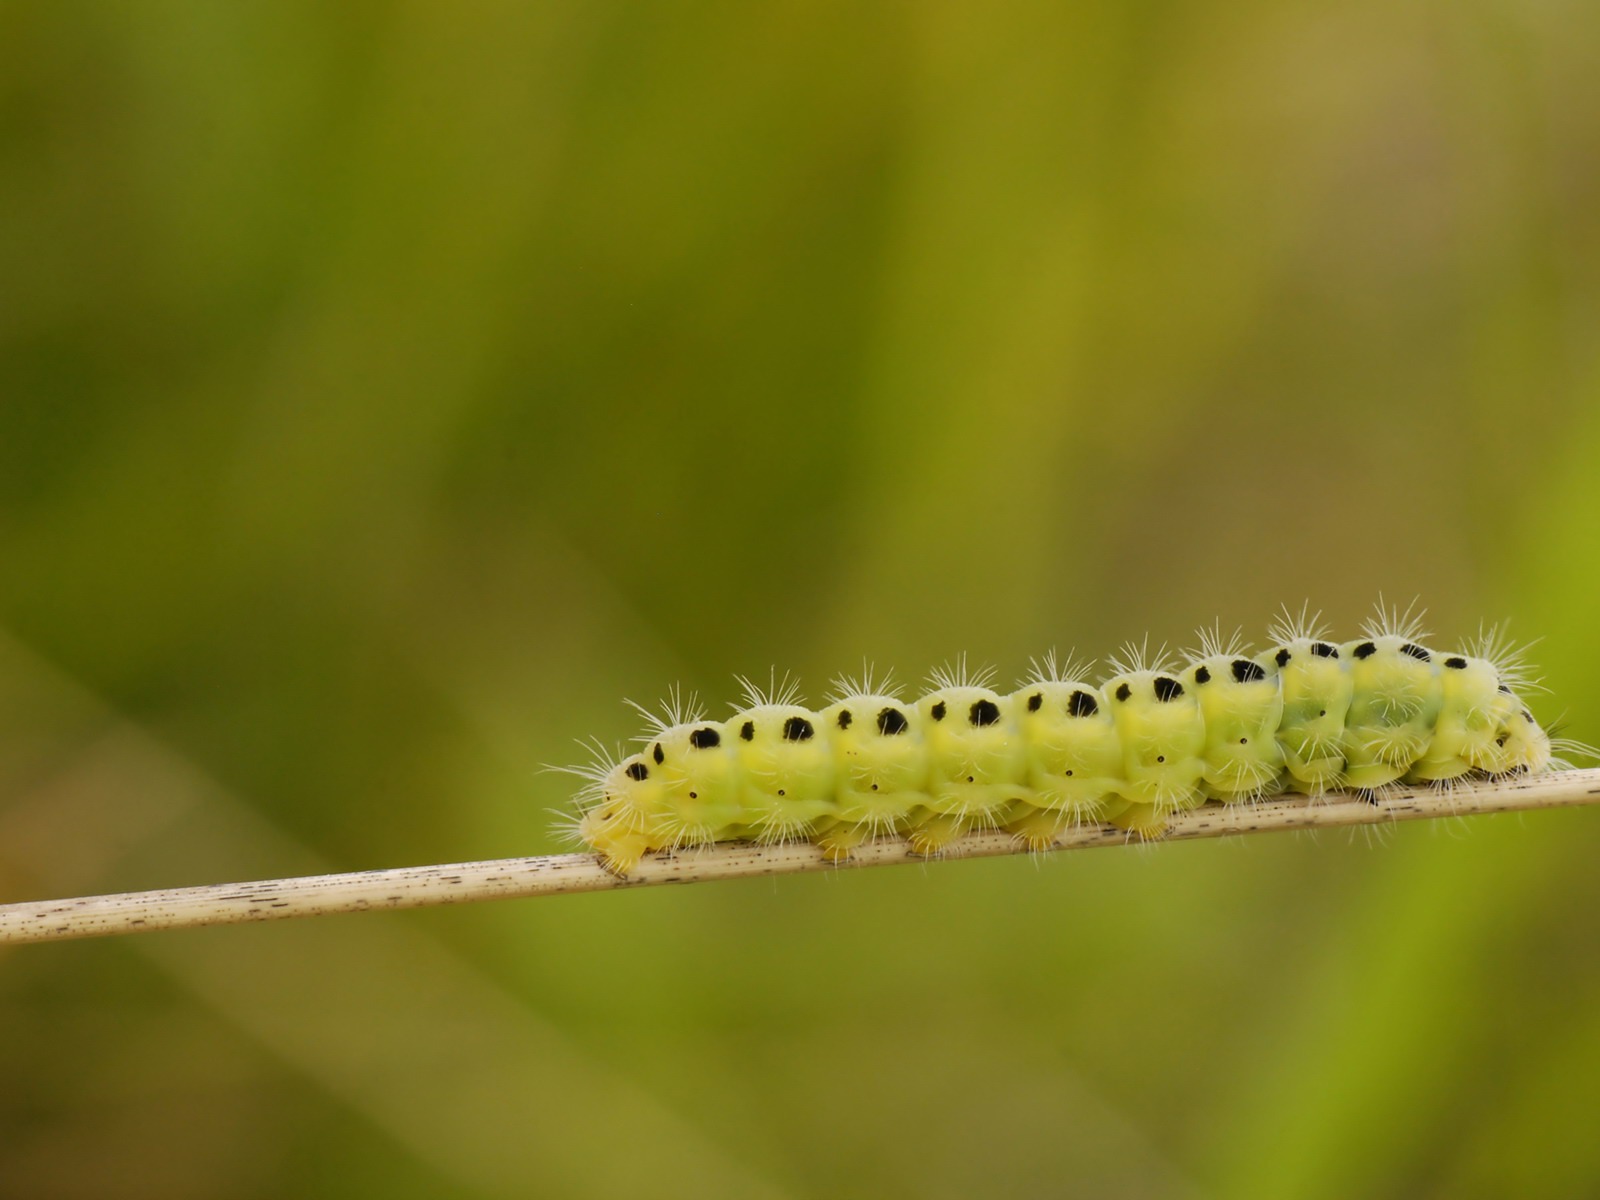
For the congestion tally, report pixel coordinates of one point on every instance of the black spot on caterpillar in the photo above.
(984, 712)
(1245, 671)
(892, 721)
(1166, 688)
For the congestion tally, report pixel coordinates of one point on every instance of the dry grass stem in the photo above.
(458, 883)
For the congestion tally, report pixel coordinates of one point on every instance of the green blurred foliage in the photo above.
(387, 390)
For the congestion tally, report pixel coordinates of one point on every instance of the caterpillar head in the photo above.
(618, 825)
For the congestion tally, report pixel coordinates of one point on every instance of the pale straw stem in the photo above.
(459, 883)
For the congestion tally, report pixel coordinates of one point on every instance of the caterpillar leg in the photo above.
(934, 833)
(622, 854)
(1437, 774)
(1141, 819)
(837, 841)
(1369, 778)
(1037, 828)
(619, 835)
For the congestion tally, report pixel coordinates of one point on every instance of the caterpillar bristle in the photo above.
(1132, 658)
(1290, 626)
(684, 835)
(1376, 715)
(1562, 759)
(1511, 660)
(602, 761)
(1212, 643)
(1392, 621)
(567, 825)
(780, 693)
(957, 674)
(1049, 668)
(777, 832)
(846, 687)
(1566, 753)
(676, 709)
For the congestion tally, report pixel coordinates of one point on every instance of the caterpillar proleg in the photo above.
(1305, 715)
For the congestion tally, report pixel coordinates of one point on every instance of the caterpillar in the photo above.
(1306, 715)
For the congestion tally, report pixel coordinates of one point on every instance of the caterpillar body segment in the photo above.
(881, 769)
(788, 773)
(1241, 708)
(1316, 686)
(1073, 760)
(1472, 708)
(978, 765)
(1306, 715)
(1163, 734)
(1395, 701)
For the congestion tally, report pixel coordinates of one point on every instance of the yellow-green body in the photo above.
(1307, 715)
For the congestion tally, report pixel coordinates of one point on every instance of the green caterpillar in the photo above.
(1307, 715)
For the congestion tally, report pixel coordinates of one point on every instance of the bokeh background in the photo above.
(387, 390)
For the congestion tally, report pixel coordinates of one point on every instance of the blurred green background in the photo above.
(388, 390)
